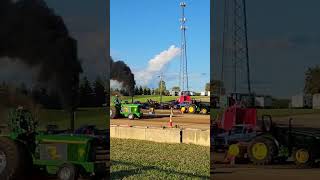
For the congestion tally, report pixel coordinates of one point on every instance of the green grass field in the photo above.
(93, 116)
(144, 98)
(287, 112)
(134, 159)
(282, 112)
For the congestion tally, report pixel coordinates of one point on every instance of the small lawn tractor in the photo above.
(279, 142)
(195, 107)
(65, 154)
(276, 143)
(130, 111)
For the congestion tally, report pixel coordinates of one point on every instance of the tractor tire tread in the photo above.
(15, 161)
(271, 153)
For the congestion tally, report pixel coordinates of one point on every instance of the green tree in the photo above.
(207, 87)
(140, 90)
(176, 88)
(85, 93)
(99, 91)
(148, 91)
(312, 80)
(136, 90)
(162, 87)
(145, 91)
(217, 87)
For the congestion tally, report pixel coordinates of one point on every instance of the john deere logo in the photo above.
(52, 151)
(81, 152)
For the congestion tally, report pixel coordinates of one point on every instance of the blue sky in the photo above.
(141, 29)
(283, 40)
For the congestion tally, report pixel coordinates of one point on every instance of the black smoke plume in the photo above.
(122, 73)
(34, 35)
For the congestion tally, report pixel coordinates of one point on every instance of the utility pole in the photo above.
(160, 89)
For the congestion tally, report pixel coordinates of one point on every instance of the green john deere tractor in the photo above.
(68, 155)
(120, 109)
(195, 107)
(280, 143)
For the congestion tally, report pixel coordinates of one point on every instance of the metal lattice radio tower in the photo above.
(183, 79)
(235, 26)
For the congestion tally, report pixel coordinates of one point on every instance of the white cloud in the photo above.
(156, 64)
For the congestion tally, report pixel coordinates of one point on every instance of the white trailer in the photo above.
(301, 101)
(263, 101)
(316, 101)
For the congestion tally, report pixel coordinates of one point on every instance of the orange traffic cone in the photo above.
(171, 114)
(170, 122)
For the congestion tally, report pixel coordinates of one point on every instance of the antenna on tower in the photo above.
(183, 79)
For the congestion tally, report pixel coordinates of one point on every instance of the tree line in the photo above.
(91, 94)
(144, 90)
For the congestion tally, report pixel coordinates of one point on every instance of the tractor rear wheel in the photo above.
(114, 113)
(68, 172)
(192, 109)
(303, 158)
(261, 151)
(183, 109)
(12, 165)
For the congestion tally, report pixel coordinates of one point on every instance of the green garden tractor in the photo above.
(25, 151)
(131, 111)
(280, 142)
(195, 107)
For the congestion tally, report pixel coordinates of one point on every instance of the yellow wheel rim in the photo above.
(183, 109)
(191, 109)
(259, 151)
(204, 111)
(233, 150)
(302, 156)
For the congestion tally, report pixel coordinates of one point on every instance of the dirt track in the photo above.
(253, 172)
(182, 120)
(308, 120)
(265, 173)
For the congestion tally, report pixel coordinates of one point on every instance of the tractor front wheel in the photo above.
(183, 109)
(131, 116)
(192, 109)
(68, 172)
(11, 162)
(302, 158)
(261, 151)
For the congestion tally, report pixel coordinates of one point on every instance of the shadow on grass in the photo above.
(125, 173)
